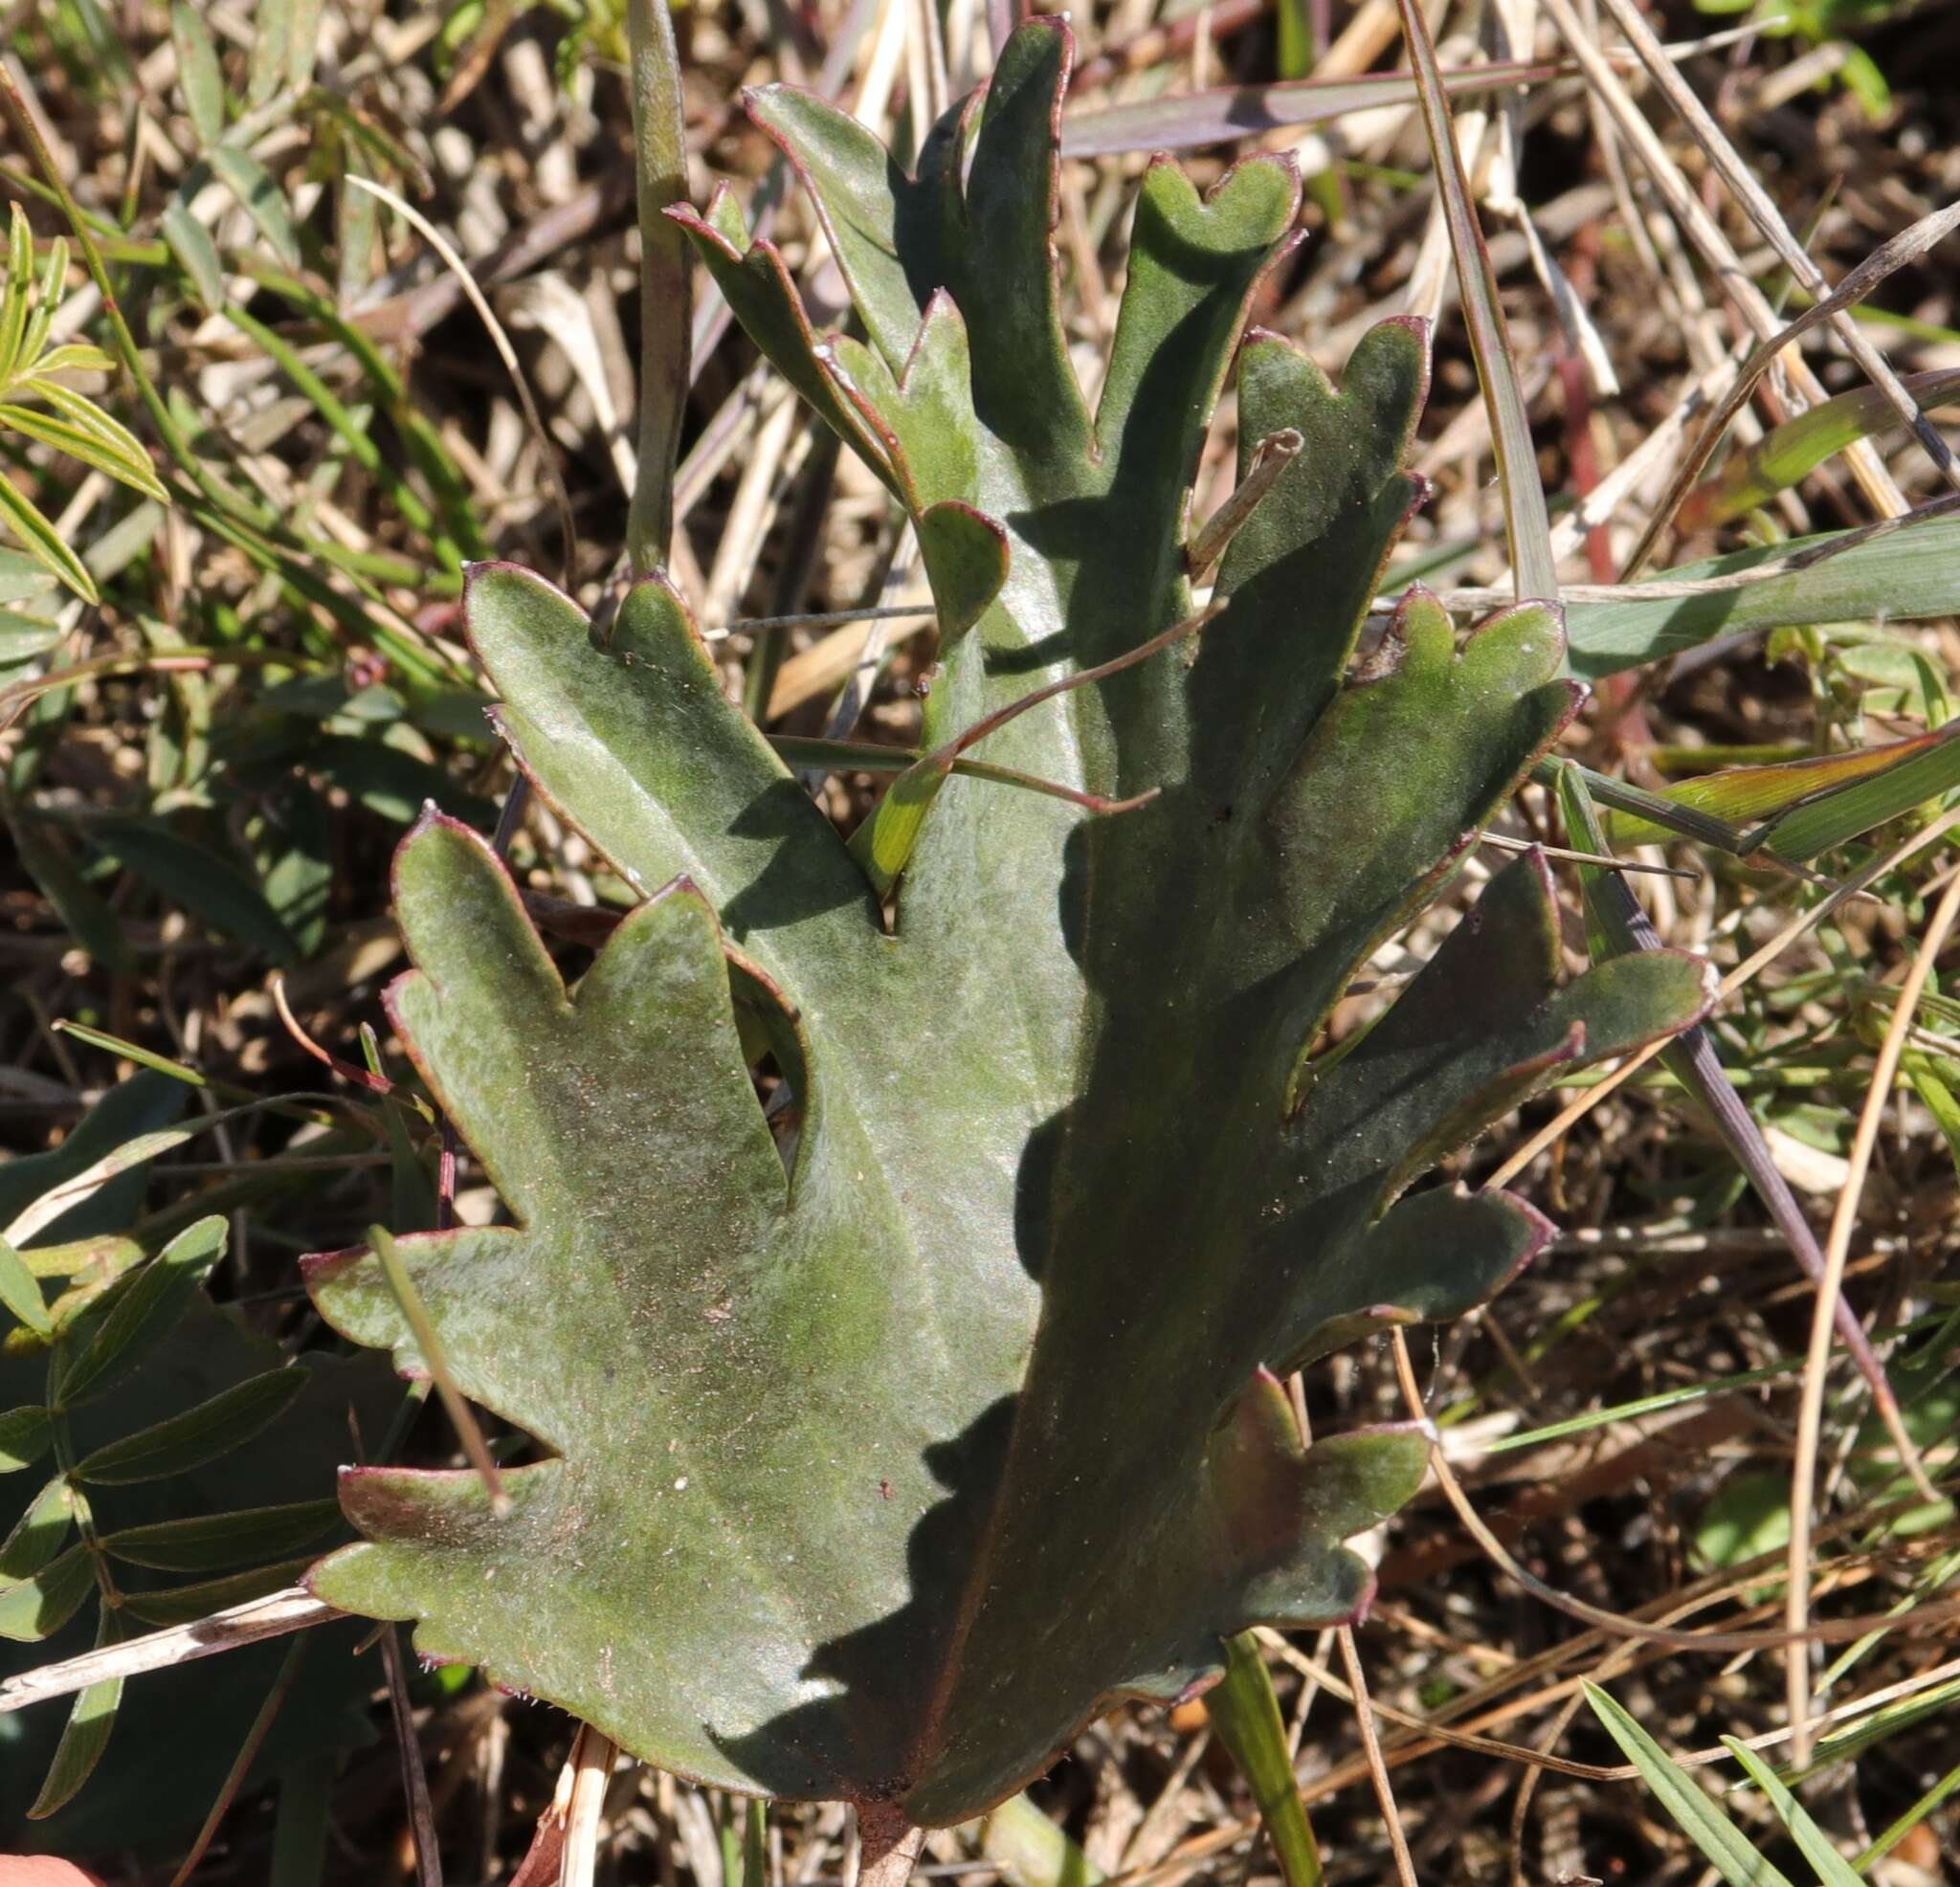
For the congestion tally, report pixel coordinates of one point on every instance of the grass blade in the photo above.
(461, 1415)
(1031, 1849)
(1617, 925)
(1226, 112)
(1801, 807)
(1833, 1869)
(665, 324)
(203, 883)
(1788, 453)
(1704, 1823)
(1928, 769)
(1527, 524)
(1901, 574)
(1908, 246)
(1245, 1715)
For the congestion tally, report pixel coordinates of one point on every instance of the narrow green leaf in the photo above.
(1833, 1869)
(26, 639)
(13, 294)
(659, 147)
(356, 434)
(198, 74)
(1788, 453)
(137, 1313)
(300, 1835)
(82, 910)
(1940, 1792)
(43, 543)
(48, 291)
(184, 1604)
(38, 1534)
(122, 458)
(91, 1719)
(22, 578)
(199, 1435)
(26, 1434)
(196, 253)
(755, 1853)
(76, 357)
(1940, 1100)
(414, 1313)
(124, 1159)
(1527, 525)
(272, 49)
(1031, 1849)
(1727, 1848)
(1224, 114)
(264, 202)
(1903, 575)
(40, 1607)
(124, 455)
(20, 1292)
(211, 1541)
(205, 882)
(1245, 1715)
(1918, 770)
(1755, 794)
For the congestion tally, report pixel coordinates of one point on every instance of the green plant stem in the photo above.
(84, 1515)
(659, 145)
(1245, 1716)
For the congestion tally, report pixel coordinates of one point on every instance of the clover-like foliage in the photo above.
(875, 1477)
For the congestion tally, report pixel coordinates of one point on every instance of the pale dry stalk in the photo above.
(1837, 1250)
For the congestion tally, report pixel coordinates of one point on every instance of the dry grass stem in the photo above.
(1836, 1251)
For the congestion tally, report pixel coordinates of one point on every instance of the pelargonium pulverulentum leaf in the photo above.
(875, 1477)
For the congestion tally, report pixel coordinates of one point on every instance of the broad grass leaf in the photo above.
(90, 1183)
(1905, 575)
(87, 914)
